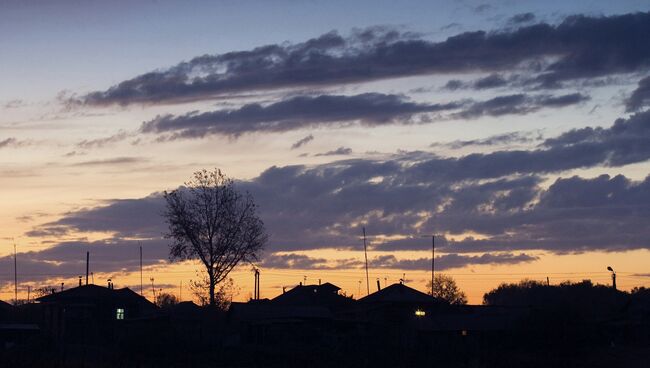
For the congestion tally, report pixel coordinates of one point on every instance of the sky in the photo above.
(518, 132)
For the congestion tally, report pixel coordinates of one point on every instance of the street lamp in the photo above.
(610, 269)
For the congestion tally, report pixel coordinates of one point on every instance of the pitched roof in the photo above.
(313, 295)
(96, 293)
(399, 293)
(5, 305)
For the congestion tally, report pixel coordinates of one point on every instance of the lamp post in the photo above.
(610, 269)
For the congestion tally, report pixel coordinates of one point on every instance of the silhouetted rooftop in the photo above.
(312, 295)
(5, 305)
(95, 293)
(399, 293)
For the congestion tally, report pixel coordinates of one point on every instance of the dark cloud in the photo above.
(574, 214)
(454, 84)
(369, 109)
(450, 26)
(495, 140)
(519, 104)
(111, 161)
(623, 143)
(521, 18)
(445, 262)
(14, 104)
(75, 153)
(491, 81)
(450, 261)
(296, 261)
(581, 46)
(341, 151)
(88, 144)
(13, 143)
(68, 259)
(302, 141)
(640, 97)
(125, 218)
(295, 113)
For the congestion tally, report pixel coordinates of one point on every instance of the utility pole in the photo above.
(180, 289)
(365, 251)
(256, 287)
(141, 294)
(433, 260)
(87, 265)
(15, 275)
(257, 271)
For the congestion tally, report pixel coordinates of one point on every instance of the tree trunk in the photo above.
(213, 302)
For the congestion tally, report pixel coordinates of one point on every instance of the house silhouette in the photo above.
(396, 303)
(6, 310)
(91, 311)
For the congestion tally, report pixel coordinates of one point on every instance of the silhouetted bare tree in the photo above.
(42, 291)
(223, 294)
(165, 300)
(210, 220)
(444, 287)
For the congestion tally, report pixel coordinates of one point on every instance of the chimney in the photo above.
(284, 289)
(378, 285)
(79, 280)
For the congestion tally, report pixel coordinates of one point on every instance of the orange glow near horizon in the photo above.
(474, 281)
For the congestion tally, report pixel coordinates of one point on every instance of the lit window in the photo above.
(420, 313)
(119, 313)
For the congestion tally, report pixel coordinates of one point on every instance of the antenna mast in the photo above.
(365, 251)
(15, 275)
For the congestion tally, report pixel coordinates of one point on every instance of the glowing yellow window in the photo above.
(420, 313)
(119, 313)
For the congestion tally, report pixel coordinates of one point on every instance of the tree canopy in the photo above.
(210, 220)
(445, 288)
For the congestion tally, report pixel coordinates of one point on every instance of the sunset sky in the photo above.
(517, 131)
